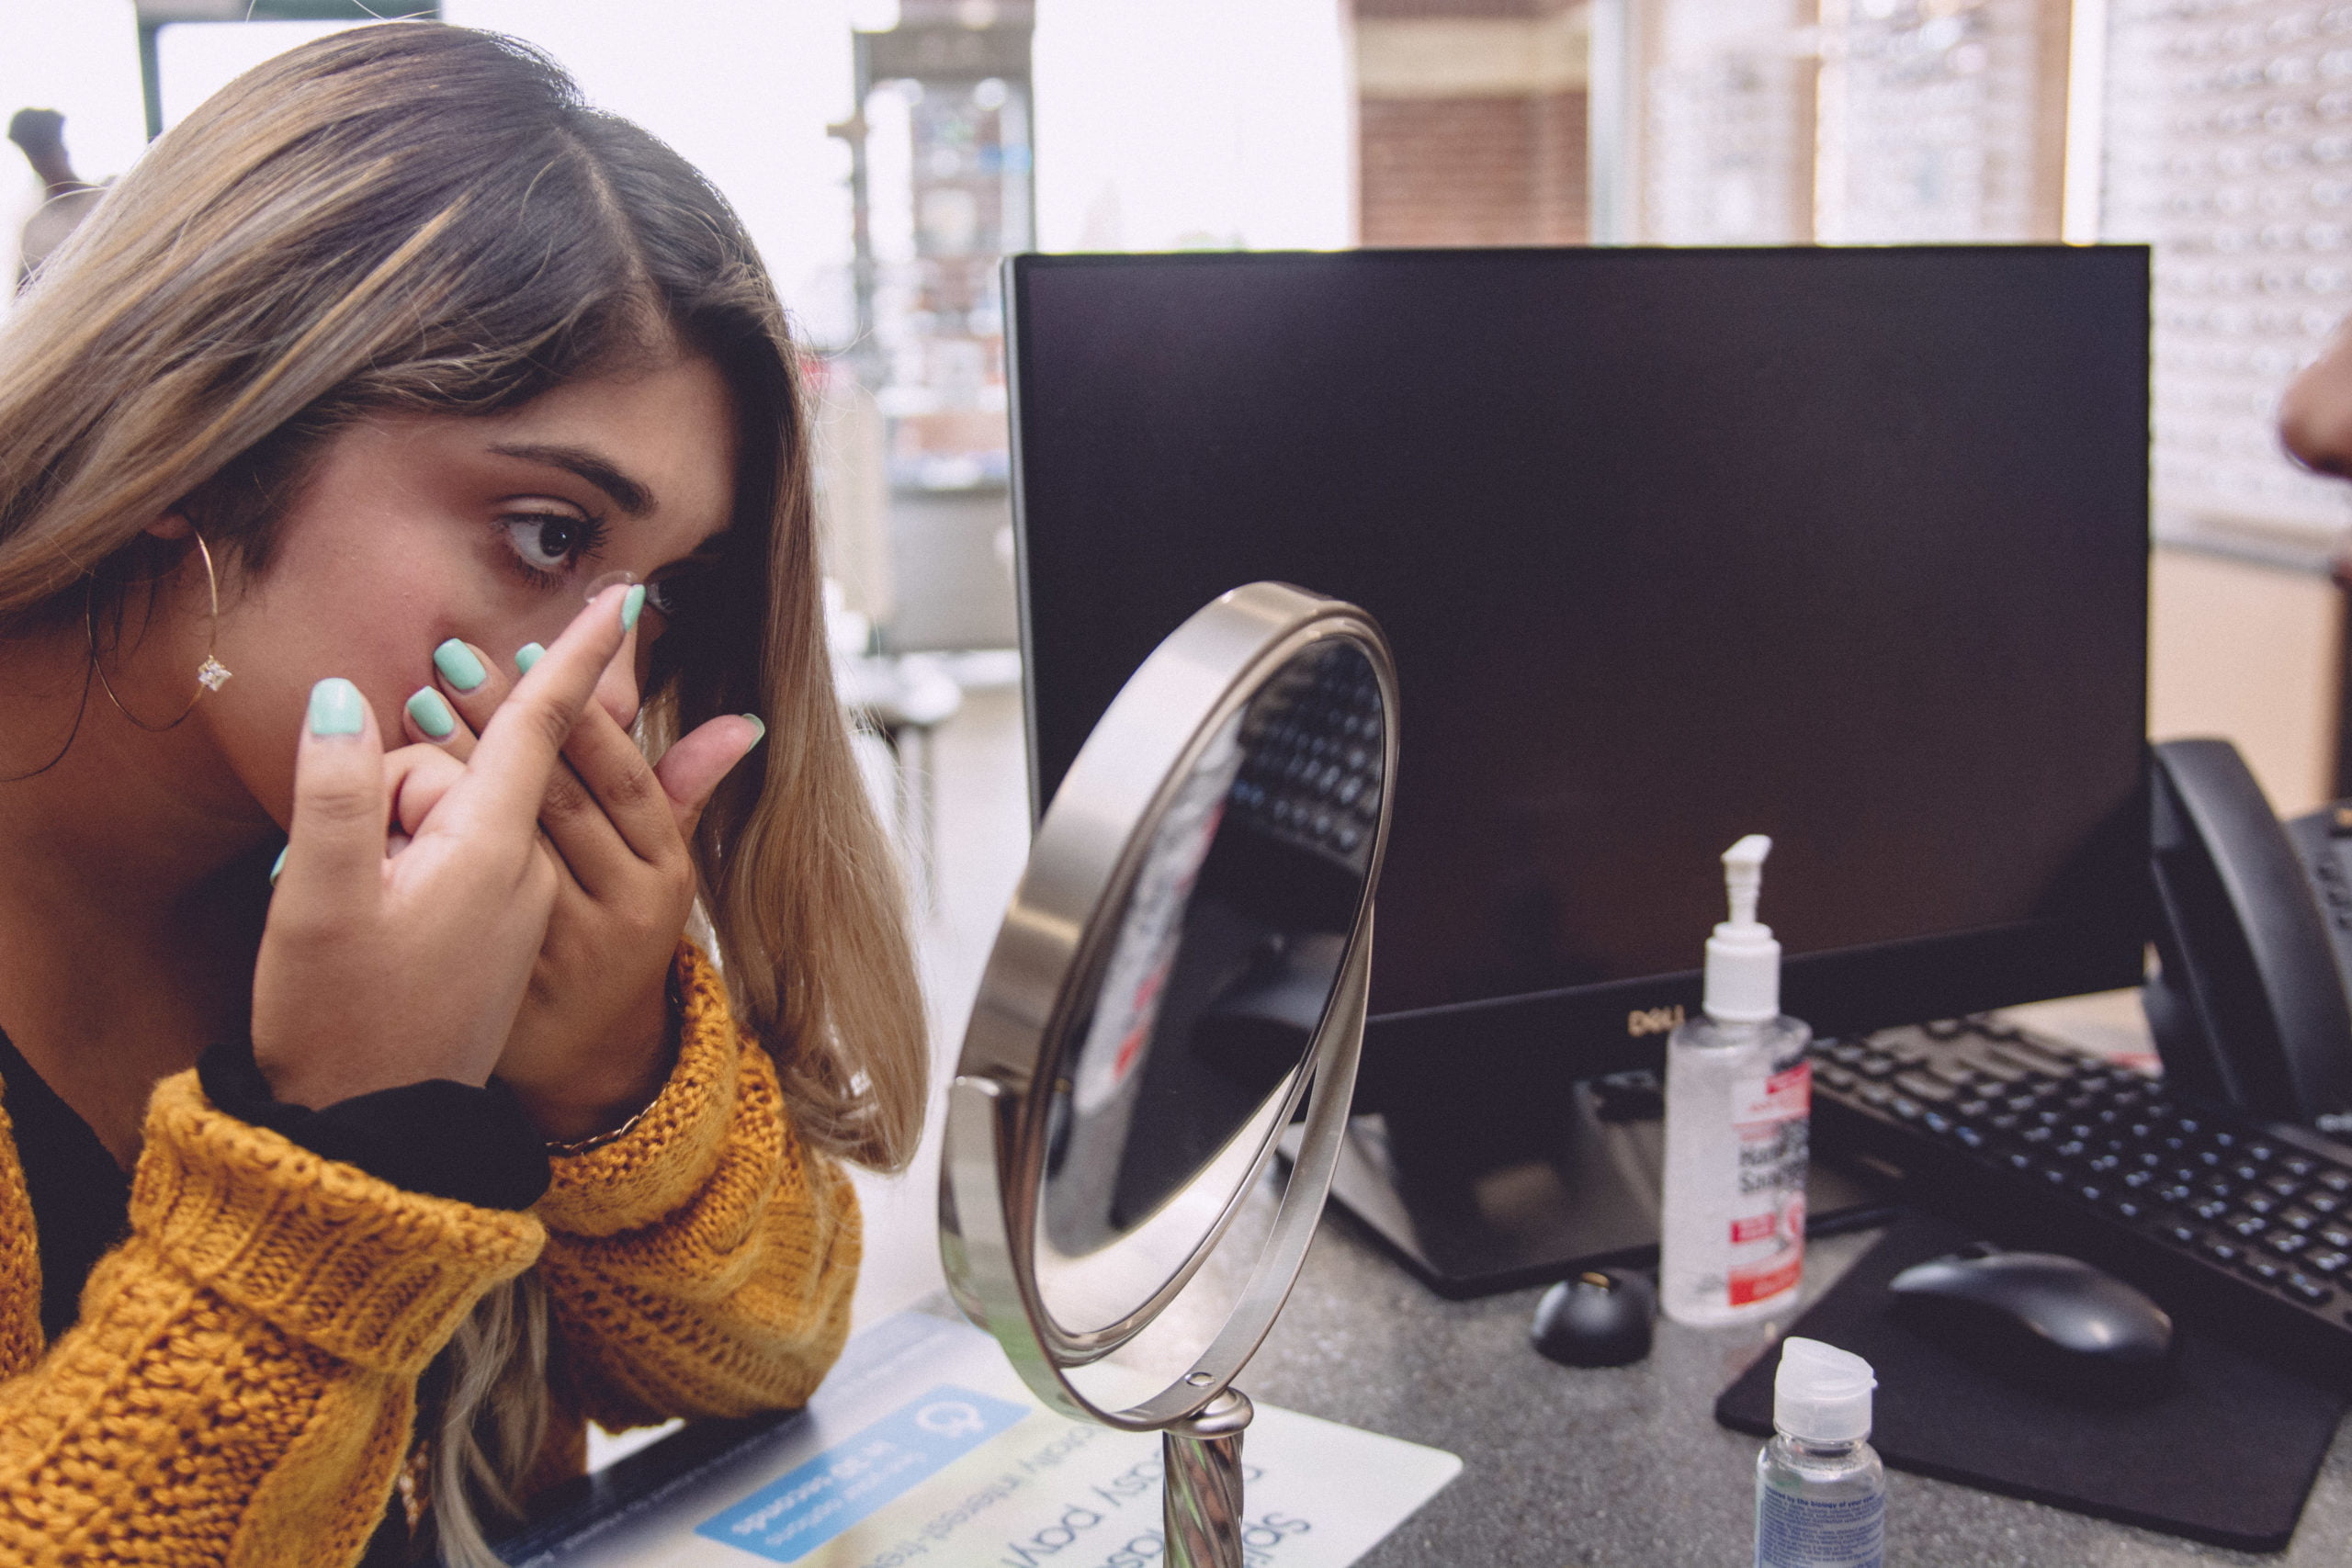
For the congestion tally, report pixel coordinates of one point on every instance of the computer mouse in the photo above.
(1599, 1318)
(2041, 1320)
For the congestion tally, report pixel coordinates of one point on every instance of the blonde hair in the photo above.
(416, 217)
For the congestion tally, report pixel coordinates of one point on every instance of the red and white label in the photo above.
(1769, 1117)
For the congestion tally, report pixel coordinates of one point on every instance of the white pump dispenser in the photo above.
(1743, 961)
(1738, 1092)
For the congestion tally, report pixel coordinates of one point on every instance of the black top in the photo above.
(439, 1137)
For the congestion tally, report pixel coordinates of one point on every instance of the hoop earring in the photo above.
(211, 675)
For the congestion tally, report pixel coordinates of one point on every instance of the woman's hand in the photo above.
(378, 969)
(592, 1043)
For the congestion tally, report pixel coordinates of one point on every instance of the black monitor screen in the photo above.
(1847, 547)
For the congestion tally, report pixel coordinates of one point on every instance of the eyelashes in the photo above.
(546, 548)
(546, 545)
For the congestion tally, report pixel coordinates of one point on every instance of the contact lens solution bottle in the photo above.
(1820, 1490)
(1738, 1099)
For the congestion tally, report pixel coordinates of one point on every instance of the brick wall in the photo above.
(1471, 122)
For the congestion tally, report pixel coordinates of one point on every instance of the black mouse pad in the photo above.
(2226, 1456)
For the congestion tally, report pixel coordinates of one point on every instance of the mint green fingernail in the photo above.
(278, 865)
(458, 666)
(527, 656)
(630, 605)
(759, 725)
(432, 713)
(335, 707)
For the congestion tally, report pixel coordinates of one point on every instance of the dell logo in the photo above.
(1652, 1021)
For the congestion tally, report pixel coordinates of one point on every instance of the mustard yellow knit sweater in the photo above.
(241, 1386)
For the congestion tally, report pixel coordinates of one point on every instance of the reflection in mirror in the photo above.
(1212, 991)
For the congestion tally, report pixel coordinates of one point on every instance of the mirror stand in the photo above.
(1201, 1495)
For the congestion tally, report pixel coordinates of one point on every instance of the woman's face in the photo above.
(416, 528)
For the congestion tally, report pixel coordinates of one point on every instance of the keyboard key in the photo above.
(1902, 1105)
(2265, 1269)
(2246, 1226)
(2259, 1203)
(1974, 1137)
(2138, 1181)
(2299, 1165)
(2220, 1251)
(2310, 1291)
(2286, 1244)
(1936, 1122)
(2326, 1260)
(2072, 1149)
(2297, 1219)
(2322, 1202)
(2130, 1208)
(2185, 1235)
(2260, 1153)
(2337, 1181)
(2091, 1192)
(2176, 1193)
(2284, 1185)
(2210, 1209)
(2337, 1236)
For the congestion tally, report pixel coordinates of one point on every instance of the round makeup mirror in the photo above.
(1180, 978)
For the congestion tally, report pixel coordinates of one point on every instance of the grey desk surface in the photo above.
(1626, 1466)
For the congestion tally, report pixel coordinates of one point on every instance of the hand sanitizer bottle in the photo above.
(1820, 1490)
(1738, 1096)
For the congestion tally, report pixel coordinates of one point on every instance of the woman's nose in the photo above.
(2315, 416)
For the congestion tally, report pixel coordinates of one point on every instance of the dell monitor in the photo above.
(1844, 546)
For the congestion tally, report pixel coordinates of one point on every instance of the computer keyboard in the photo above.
(2237, 1224)
(1313, 772)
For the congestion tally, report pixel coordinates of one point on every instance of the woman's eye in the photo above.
(547, 542)
(667, 596)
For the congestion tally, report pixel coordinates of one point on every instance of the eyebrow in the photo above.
(625, 493)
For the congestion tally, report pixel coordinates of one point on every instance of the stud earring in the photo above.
(211, 675)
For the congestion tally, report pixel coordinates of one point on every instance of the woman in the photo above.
(334, 414)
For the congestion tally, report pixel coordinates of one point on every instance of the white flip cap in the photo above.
(1821, 1394)
(1743, 961)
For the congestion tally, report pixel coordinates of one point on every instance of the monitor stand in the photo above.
(1474, 1205)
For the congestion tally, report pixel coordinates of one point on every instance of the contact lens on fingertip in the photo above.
(603, 581)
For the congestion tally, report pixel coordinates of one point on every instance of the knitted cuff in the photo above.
(647, 1173)
(438, 1137)
(334, 1258)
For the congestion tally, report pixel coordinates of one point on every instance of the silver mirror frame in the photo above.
(1039, 984)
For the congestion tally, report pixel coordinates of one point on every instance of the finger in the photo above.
(416, 777)
(604, 811)
(518, 748)
(691, 769)
(427, 718)
(471, 681)
(334, 846)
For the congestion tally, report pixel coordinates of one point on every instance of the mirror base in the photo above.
(1201, 1500)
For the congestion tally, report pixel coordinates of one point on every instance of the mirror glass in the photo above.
(1207, 997)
